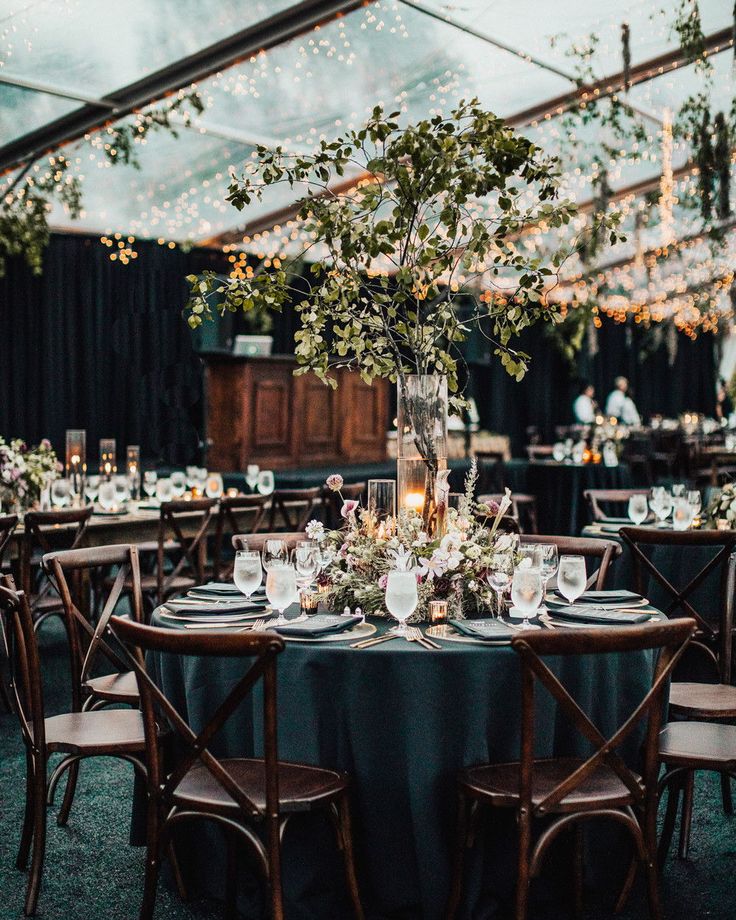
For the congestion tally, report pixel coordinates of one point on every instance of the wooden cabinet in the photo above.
(259, 412)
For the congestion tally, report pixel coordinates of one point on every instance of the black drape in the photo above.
(98, 345)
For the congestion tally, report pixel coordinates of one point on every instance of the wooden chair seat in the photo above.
(499, 783)
(301, 788)
(705, 745)
(113, 731)
(119, 688)
(703, 701)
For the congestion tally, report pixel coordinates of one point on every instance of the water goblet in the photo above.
(531, 556)
(92, 488)
(306, 563)
(526, 593)
(682, 514)
(149, 482)
(281, 589)
(275, 552)
(401, 597)
(695, 500)
(266, 482)
(638, 509)
(550, 563)
(106, 496)
(571, 577)
(164, 490)
(122, 489)
(678, 489)
(178, 483)
(499, 579)
(251, 476)
(247, 571)
(214, 487)
(662, 508)
(61, 493)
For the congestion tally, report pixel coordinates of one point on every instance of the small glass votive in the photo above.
(438, 613)
(232, 493)
(722, 524)
(308, 603)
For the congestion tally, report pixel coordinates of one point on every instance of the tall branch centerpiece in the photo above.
(438, 210)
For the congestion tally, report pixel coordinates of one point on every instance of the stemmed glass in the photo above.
(247, 571)
(571, 578)
(122, 490)
(214, 487)
(164, 490)
(106, 496)
(178, 483)
(251, 476)
(661, 505)
(499, 579)
(638, 509)
(682, 514)
(275, 552)
(526, 593)
(91, 488)
(266, 482)
(531, 555)
(401, 597)
(149, 482)
(306, 563)
(61, 493)
(550, 563)
(281, 589)
(695, 500)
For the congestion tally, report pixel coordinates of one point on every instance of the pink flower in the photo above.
(334, 482)
(348, 508)
(46, 444)
(494, 508)
(382, 582)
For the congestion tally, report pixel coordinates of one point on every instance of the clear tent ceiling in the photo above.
(55, 55)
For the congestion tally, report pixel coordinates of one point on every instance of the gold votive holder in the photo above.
(438, 614)
(232, 493)
(308, 603)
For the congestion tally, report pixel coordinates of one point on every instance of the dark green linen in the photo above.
(402, 722)
(323, 624)
(487, 630)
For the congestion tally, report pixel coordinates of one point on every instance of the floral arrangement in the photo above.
(25, 471)
(723, 506)
(452, 565)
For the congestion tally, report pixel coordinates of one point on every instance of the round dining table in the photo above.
(401, 720)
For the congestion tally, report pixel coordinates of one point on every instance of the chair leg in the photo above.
(578, 869)
(651, 866)
(153, 864)
(26, 836)
(39, 840)
(458, 856)
(668, 827)
(231, 879)
(524, 877)
(687, 814)
(726, 794)
(345, 838)
(274, 868)
(71, 787)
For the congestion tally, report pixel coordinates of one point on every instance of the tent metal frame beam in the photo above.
(50, 89)
(281, 27)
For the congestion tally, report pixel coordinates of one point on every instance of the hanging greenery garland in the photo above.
(626, 53)
(722, 163)
(705, 160)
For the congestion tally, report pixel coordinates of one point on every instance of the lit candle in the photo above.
(414, 500)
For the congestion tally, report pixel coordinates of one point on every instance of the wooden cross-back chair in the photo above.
(43, 531)
(567, 791)
(257, 541)
(604, 552)
(619, 498)
(110, 733)
(192, 550)
(694, 700)
(523, 508)
(230, 517)
(294, 507)
(244, 796)
(8, 523)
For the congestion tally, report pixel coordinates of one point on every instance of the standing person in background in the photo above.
(724, 403)
(585, 408)
(620, 405)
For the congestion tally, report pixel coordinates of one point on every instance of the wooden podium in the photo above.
(259, 412)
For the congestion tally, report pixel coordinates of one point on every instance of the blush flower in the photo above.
(348, 508)
(334, 482)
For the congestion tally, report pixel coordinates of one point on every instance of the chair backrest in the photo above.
(172, 517)
(667, 638)
(8, 523)
(523, 508)
(713, 554)
(608, 498)
(87, 640)
(231, 515)
(43, 530)
(195, 746)
(256, 541)
(294, 506)
(25, 664)
(602, 551)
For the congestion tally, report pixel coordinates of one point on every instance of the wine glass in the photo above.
(401, 597)
(275, 552)
(638, 509)
(149, 482)
(550, 563)
(92, 487)
(695, 500)
(281, 589)
(526, 592)
(61, 493)
(200, 479)
(499, 579)
(306, 563)
(247, 571)
(678, 489)
(662, 507)
(571, 578)
(122, 489)
(266, 482)
(682, 514)
(531, 555)
(178, 483)
(251, 476)
(164, 490)
(214, 487)
(106, 497)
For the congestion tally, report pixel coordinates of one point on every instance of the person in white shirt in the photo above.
(621, 406)
(584, 408)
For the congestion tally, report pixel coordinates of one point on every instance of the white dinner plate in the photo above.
(233, 618)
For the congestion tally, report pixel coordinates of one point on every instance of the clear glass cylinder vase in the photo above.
(421, 441)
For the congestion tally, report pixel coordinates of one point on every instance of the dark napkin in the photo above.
(219, 589)
(197, 609)
(591, 598)
(488, 630)
(591, 615)
(323, 624)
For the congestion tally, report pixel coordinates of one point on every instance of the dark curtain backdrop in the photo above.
(98, 345)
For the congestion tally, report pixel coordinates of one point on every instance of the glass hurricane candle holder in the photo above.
(133, 469)
(382, 499)
(75, 464)
(108, 458)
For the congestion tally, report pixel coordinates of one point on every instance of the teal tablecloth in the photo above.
(401, 721)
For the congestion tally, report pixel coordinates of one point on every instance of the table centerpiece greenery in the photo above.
(25, 472)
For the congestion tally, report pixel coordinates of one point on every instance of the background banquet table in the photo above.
(401, 721)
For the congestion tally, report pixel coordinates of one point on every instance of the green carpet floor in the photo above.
(93, 874)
